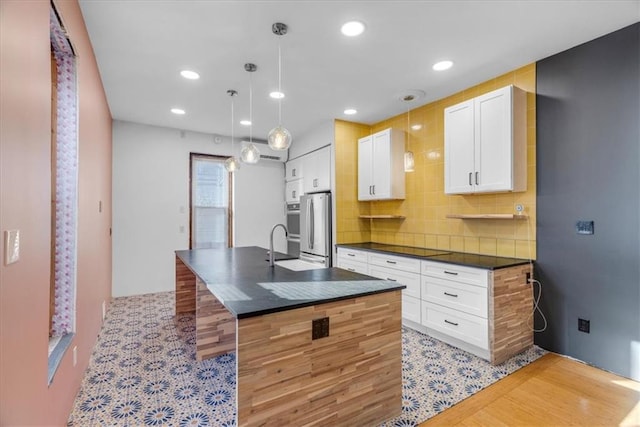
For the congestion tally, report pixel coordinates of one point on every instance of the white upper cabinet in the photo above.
(381, 166)
(293, 169)
(485, 143)
(293, 191)
(317, 171)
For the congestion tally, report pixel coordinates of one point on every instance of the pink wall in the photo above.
(25, 120)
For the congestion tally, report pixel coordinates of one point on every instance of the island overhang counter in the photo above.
(312, 347)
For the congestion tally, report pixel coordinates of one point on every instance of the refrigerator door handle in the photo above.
(312, 225)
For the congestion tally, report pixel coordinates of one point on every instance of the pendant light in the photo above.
(250, 153)
(279, 137)
(232, 164)
(408, 96)
(409, 162)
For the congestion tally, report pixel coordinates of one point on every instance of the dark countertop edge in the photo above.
(311, 303)
(511, 262)
(307, 303)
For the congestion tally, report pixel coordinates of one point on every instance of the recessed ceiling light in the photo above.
(245, 122)
(188, 74)
(352, 28)
(442, 65)
(178, 111)
(276, 95)
(416, 127)
(350, 111)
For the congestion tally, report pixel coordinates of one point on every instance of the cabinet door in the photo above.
(317, 171)
(381, 161)
(493, 141)
(459, 171)
(293, 191)
(293, 169)
(365, 172)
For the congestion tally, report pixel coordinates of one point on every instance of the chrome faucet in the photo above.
(286, 234)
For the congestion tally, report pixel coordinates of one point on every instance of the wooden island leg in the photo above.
(185, 288)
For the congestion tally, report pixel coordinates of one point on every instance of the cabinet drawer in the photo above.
(458, 296)
(410, 280)
(465, 327)
(459, 273)
(400, 263)
(355, 266)
(352, 255)
(411, 308)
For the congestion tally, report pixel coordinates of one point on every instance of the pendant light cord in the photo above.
(279, 85)
(251, 108)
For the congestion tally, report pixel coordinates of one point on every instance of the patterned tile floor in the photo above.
(143, 371)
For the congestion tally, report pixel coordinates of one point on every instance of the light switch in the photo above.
(11, 246)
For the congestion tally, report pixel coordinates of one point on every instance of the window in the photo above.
(211, 203)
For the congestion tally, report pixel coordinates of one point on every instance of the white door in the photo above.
(365, 162)
(493, 153)
(293, 191)
(459, 171)
(323, 170)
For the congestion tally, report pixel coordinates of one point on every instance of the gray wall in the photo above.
(588, 158)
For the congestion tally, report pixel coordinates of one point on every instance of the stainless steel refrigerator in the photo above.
(315, 228)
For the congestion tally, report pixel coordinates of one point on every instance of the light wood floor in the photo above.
(552, 391)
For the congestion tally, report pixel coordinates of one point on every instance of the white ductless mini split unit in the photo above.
(266, 153)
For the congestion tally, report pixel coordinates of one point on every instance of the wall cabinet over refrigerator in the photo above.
(381, 166)
(485, 143)
(317, 171)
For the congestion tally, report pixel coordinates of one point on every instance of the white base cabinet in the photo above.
(481, 311)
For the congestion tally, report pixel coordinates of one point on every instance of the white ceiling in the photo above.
(141, 46)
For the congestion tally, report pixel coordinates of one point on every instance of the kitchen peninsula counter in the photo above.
(316, 346)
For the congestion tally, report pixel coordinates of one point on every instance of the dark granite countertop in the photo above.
(471, 260)
(243, 281)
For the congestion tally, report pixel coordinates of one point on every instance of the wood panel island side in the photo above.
(316, 347)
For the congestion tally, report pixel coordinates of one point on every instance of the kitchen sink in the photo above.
(299, 265)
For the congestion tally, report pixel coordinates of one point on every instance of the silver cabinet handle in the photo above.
(451, 273)
(477, 183)
(374, 189)
(293, 194)
(451, 323)
(351, 254)
(391, 280)
(391, 262)
(451, 295)
(470, 173)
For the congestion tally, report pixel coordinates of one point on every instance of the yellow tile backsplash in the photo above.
(426, 206)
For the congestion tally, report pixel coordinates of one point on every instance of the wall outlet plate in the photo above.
(584, 227)
(320, 328)
(11, 246)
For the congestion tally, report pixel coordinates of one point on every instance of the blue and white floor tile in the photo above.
(143, 371)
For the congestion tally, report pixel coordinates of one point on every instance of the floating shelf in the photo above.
(382, 216)
(488, 216)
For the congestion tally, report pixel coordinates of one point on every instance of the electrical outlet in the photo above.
(75, 355)
(584, 227)
(528, 277)
(584, 325)
(320, 328)
(11, 246)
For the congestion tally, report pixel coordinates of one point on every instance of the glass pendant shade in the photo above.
(232, 164)
(279, 138)
(250, 154)
(409, 162)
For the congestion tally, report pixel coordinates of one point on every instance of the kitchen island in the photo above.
(316, 347)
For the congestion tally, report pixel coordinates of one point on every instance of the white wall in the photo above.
(151, 203)
(318, 137)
